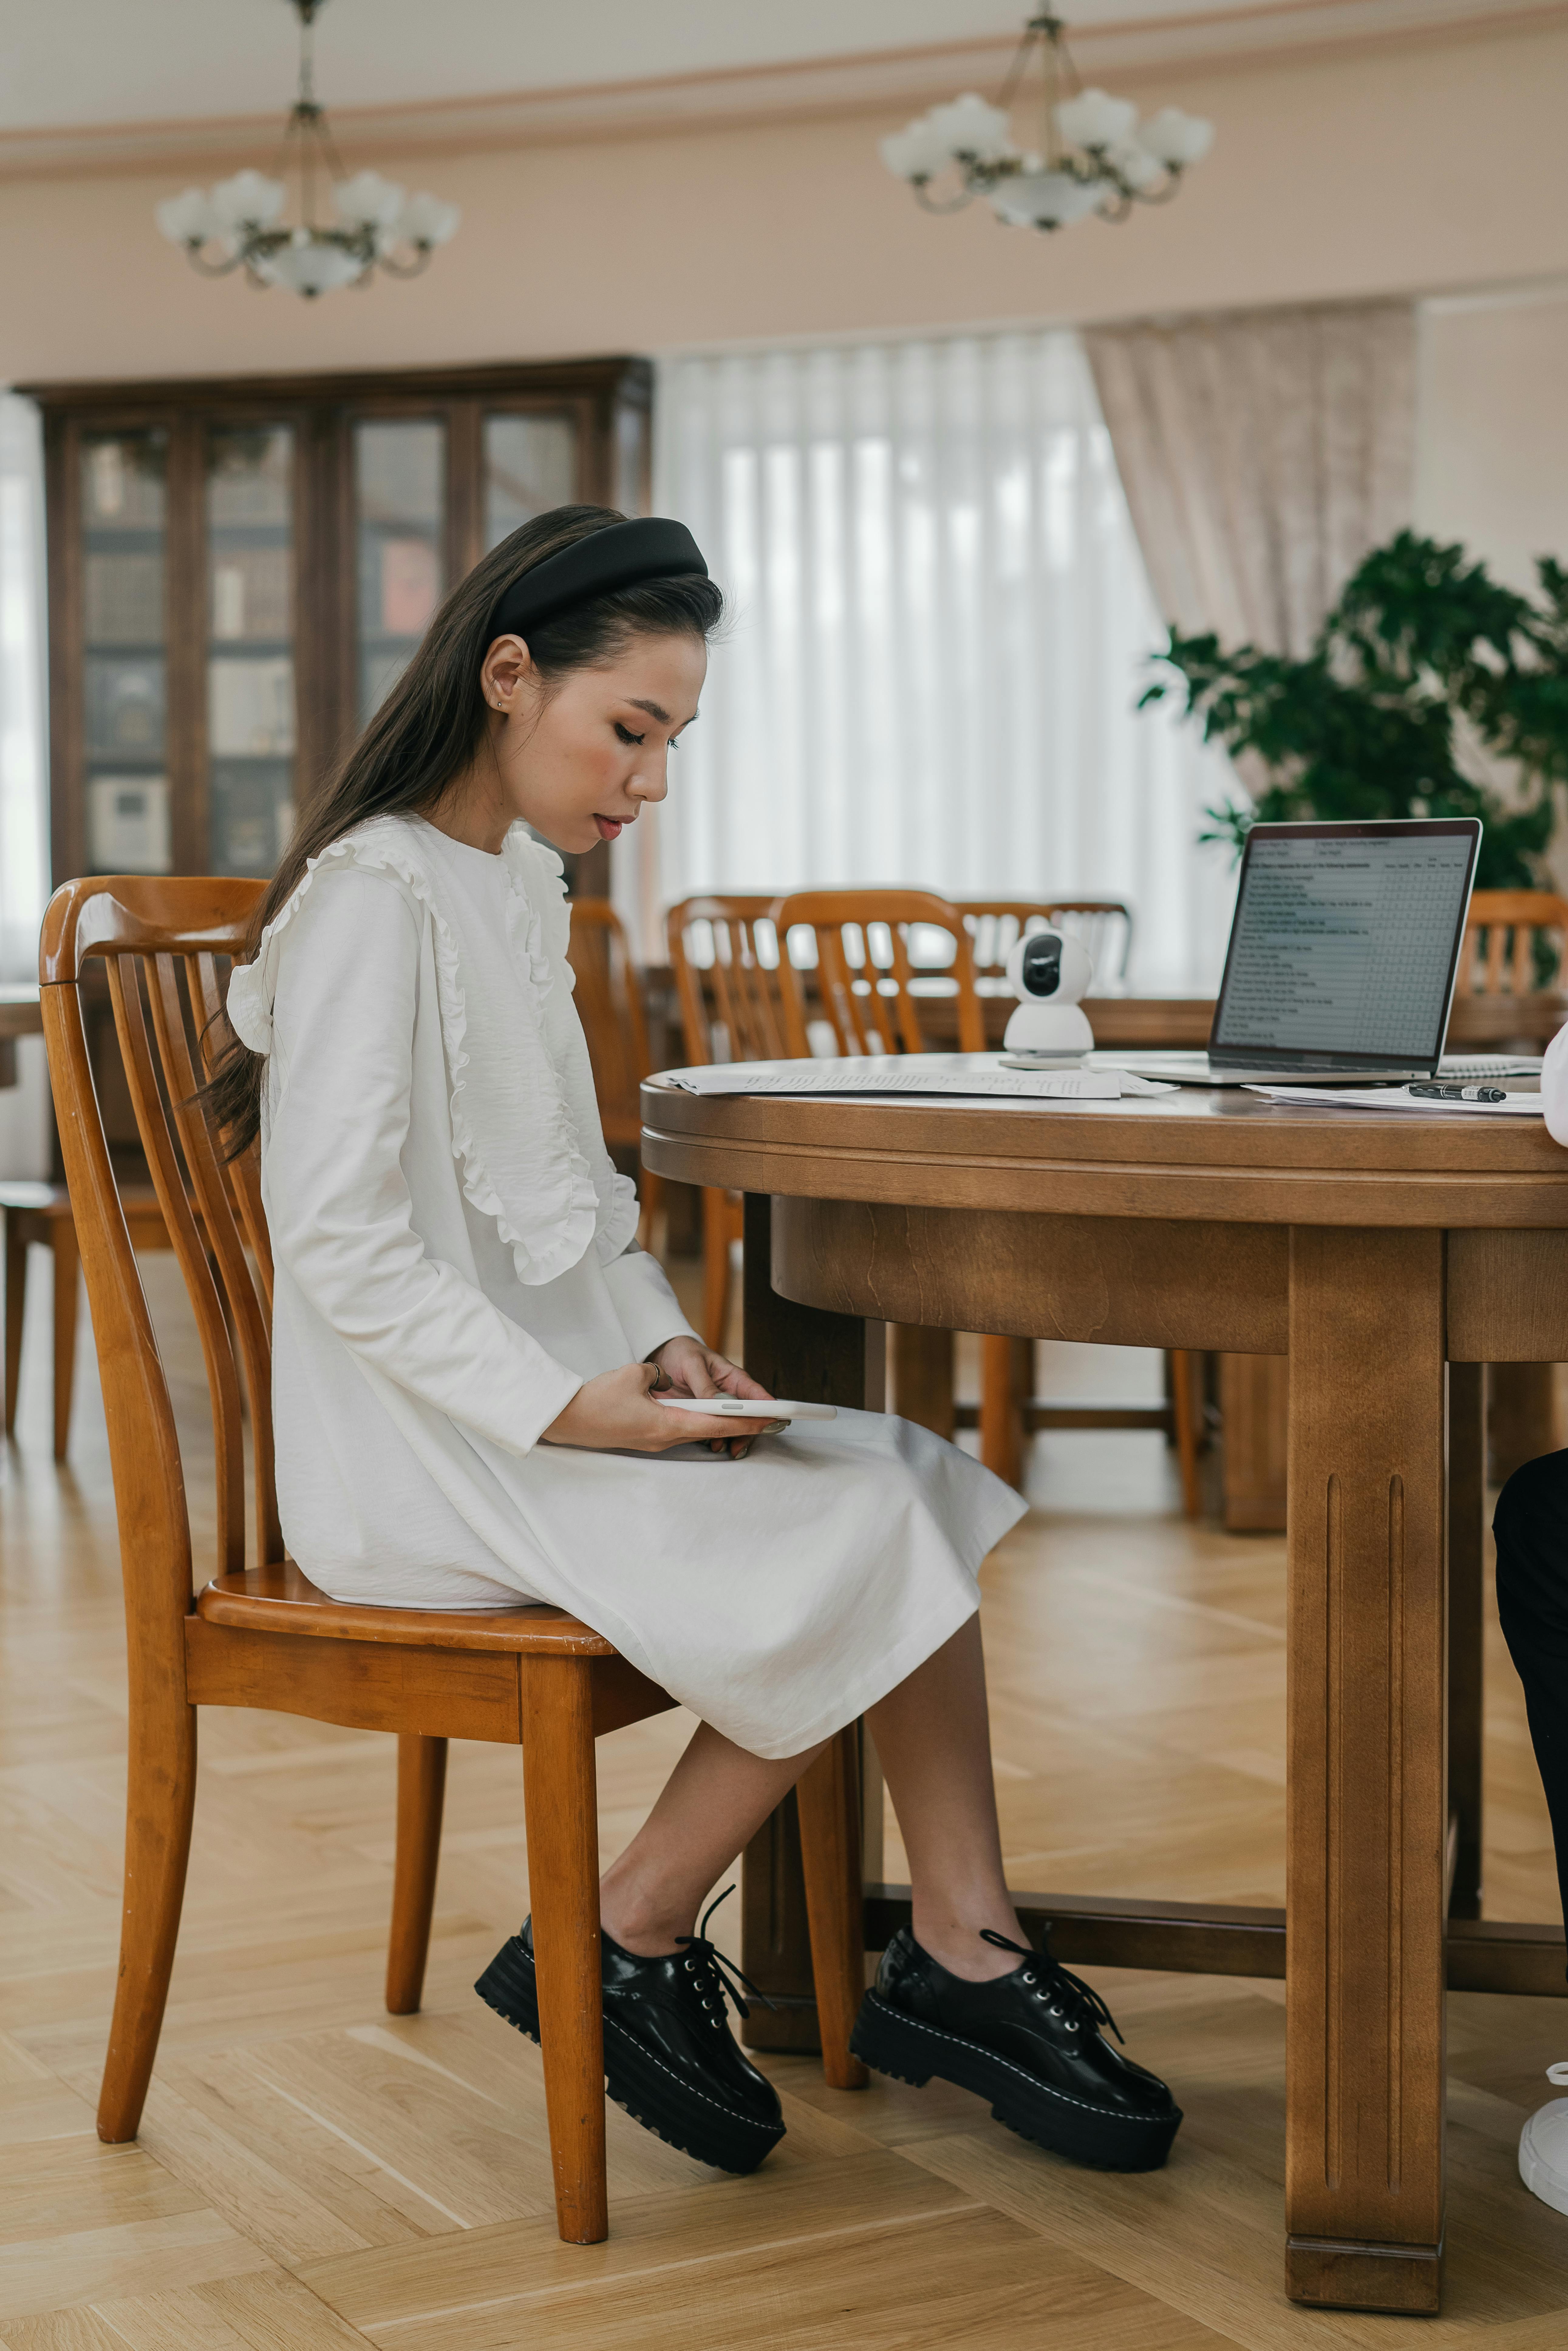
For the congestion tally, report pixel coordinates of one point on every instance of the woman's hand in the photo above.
(615, 1411)
(695, 1370)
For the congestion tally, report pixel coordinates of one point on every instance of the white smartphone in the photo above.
(749, 1407)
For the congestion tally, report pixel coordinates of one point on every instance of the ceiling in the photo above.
(117, 61)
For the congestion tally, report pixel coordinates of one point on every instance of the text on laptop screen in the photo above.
(1344, 945)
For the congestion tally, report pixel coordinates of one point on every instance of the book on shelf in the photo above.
(250, 708)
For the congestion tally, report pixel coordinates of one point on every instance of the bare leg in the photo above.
(932, 1735)
(714, 1800)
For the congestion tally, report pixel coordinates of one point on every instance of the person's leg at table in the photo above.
(1531, 1529)
(963, 1997)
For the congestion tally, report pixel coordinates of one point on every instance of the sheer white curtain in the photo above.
(23, 787)
(941, 626)
(24, 770)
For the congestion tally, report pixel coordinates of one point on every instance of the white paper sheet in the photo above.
(952, 1075)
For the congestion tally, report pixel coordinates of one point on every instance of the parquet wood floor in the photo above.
(314, 2175)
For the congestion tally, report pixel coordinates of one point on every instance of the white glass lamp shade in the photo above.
(1046, 199)
(968, 127)
(1094, 119)
(249, 199)
(310, 269)
(186, 219)
(1176, 139)
(424, 220)
(1138, 167)
(915, 152)
(367, 201)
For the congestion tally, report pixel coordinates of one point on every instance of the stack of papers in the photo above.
(1399, 1098)
(950, 1075)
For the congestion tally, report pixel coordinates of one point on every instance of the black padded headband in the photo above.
(618, 555)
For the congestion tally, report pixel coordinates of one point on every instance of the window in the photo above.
(940, 629)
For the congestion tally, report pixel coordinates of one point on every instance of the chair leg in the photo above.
(1183, 1412)
(651, 1189)
(716, 1223)
(16, 1300)
(161, 1795)
(421, 1788)
(560, 1806)
(65, 1287)
(1004, 1382)
(828, 1795)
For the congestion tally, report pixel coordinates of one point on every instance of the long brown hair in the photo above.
(431, 728)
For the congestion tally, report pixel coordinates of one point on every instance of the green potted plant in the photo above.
(1426, 671)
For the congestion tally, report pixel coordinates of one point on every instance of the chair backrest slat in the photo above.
(1105, 925)
(609, 999)
(1497, 954)
(161, 941)
(214, 1197)
(730, 1002)
(867, 992)
(244, 1172)
(125, 988)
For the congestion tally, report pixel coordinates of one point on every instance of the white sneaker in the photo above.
(1543, 2147)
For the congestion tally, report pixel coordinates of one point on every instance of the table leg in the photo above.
(1466, 1629)
(820, 1358)
(1364, 2173)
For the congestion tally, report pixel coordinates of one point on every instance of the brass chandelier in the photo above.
(239, 223)
(1094, 155)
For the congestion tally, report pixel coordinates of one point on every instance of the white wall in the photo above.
(1400, 169)
(1492, 446)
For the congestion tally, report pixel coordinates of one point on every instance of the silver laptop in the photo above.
(1343, 950)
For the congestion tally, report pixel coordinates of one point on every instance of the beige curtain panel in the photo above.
(1263, 453)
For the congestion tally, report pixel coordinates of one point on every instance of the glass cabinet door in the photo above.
(250, 645)
(399, 516)
(125, 667)
(530, 466)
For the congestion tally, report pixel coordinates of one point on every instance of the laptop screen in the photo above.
(1344, 942)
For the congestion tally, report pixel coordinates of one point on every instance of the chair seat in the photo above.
(283, 1600)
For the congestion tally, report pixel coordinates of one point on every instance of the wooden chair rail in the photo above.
(1221, 1940)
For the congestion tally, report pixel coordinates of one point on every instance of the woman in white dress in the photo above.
(467, 1339)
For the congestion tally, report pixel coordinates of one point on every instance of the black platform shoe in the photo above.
(1030, 2043)
(670, 2058)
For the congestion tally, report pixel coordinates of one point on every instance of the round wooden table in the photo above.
(1389, 1258)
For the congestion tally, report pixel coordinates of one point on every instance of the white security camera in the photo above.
(1049, 972)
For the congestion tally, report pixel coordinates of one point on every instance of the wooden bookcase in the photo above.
(239, 567)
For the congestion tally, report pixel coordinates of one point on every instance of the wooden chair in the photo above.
(723, 954)
(867, 987)
(40, 1213)
(264, 1636)
(609, 999)
(1496, 956)
(867, 982)
(1103, 924)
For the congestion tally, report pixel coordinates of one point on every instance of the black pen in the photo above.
(1458, 1093)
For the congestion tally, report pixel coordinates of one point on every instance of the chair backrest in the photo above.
(608, 998)
(1498, 956)
(166, 946)
(1105, 925)
(868, 985)
(724, 953)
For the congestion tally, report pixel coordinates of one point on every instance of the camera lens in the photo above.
(1042, 963)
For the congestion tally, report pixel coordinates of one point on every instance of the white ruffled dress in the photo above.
(455, 1256)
